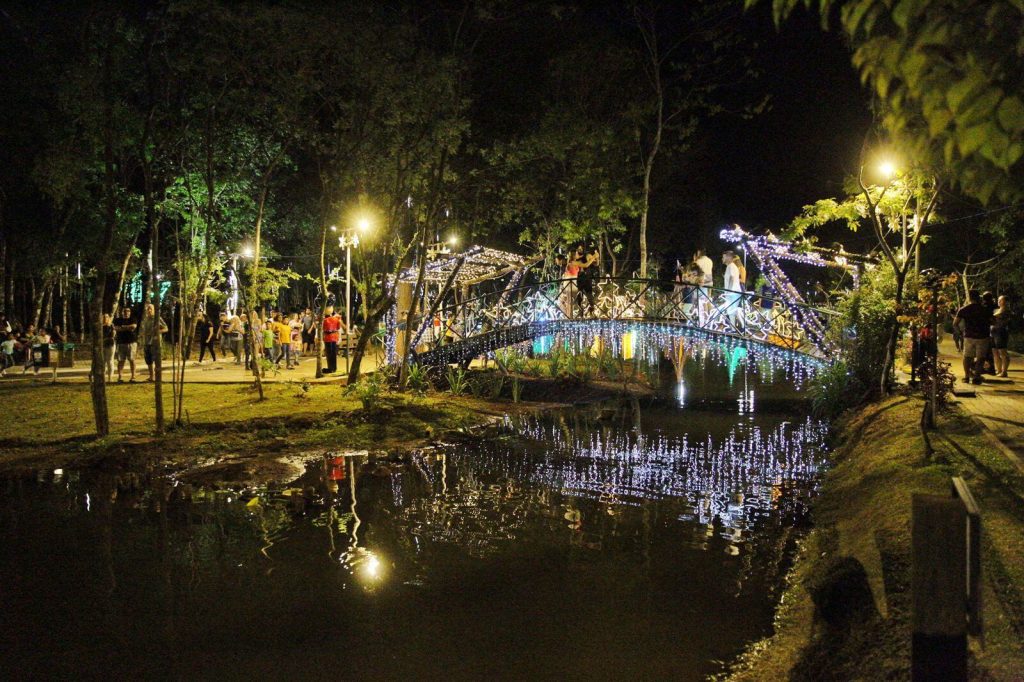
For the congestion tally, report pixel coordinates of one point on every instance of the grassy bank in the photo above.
(48, 424)
(863, 513)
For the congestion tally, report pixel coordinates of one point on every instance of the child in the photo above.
(268, 341)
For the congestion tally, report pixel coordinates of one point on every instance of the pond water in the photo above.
(629, 539)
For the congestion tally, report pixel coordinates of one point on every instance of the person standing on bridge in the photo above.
(707, 280)
(733, 286)
(589, 266)
(567, 296)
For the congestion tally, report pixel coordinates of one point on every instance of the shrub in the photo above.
(370, 390)
(458, 380)
(555, 362)
(517, 389)
(418, 379)
(834, 389)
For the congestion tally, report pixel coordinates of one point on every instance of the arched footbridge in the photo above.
(459, 330)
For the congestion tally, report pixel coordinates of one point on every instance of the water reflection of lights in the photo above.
(725, 484)
(748, 461)
(365, 565)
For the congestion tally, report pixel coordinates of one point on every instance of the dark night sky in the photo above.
(760, 172)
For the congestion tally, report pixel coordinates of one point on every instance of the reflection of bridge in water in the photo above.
(459, 330)
(732, 481)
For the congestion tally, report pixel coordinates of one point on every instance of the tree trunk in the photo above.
(81, 311)
(323, 308)
(98, 383)
(64, 304)
(650, 40)
(154, 341)
(123, 274)
(417, 293)
(8, 281)
(894, 333)
(256, 344)
(370, 324)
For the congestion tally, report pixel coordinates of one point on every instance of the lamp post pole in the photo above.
(347, 241)
(348, 302)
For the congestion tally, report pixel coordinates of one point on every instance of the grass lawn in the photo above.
(864, 512)
(54, 422)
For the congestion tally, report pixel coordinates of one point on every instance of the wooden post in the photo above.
(939, 588)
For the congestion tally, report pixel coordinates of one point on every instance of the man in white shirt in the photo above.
(707, 280)
(731, 283)
(705, 265)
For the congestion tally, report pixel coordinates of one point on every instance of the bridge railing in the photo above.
(743, 314)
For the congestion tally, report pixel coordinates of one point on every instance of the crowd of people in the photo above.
(981, 331)
(281, 338)
(578, 269)
(26, 347)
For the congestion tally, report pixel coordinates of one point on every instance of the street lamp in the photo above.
(887, 169)
(348, 240)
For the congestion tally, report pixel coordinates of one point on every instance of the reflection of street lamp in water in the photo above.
(349, 239)
(362, 563)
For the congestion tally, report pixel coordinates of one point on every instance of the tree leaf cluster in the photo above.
(949, 74)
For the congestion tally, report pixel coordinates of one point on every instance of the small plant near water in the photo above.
(584, 367)
(834, 389)
(418, 379)
(517, 388)
(512, 360)
(555, 363)
(370, 390)
(495, 386)
(458, 380)
(477, 385)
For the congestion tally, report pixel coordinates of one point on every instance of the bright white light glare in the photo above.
(247, 252)
(372, 567)
(363, 224)
(887, 169)
(453, 240)
(681, 394)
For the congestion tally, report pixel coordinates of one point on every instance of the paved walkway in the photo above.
(222, 371)
(997, 403)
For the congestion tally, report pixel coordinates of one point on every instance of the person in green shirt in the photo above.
(268, 342)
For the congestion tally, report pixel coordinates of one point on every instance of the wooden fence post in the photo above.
(939, 588)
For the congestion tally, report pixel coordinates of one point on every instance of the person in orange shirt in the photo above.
(282, 342)
(332, 325)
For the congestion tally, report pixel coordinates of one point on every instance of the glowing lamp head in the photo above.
(453, 240)
(247, 251)
(363, 224)
(887, 169)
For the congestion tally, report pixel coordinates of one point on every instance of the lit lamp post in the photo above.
(348, 240)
